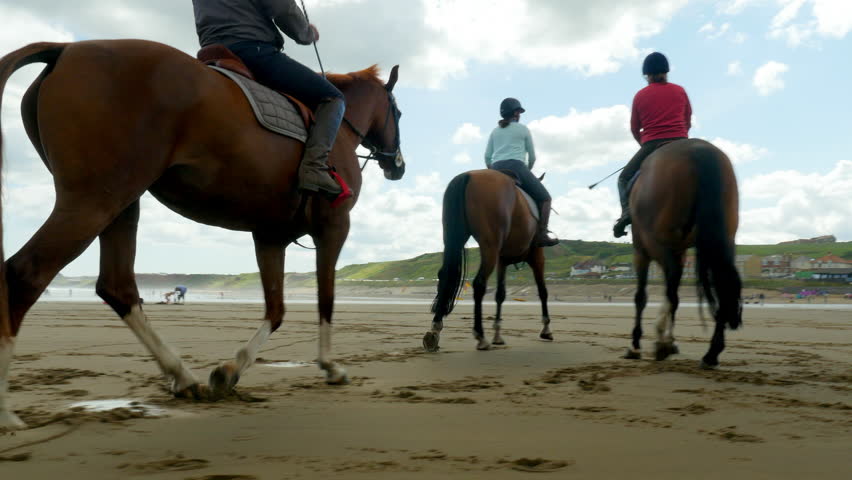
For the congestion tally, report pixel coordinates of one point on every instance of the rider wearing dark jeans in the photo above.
(508, 145)
(661, 114)
(250, 29)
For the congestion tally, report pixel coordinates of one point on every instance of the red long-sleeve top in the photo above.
(660, 110)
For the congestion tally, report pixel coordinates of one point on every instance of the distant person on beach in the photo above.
(168, 296)
(181, 291)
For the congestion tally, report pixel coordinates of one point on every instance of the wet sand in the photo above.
(779, 407)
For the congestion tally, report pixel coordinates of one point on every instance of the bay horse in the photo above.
(112, 119)
(487, 205)
(686, 195)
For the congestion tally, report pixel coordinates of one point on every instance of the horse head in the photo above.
(383, 136)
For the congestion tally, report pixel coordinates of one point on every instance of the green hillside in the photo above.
(560, 259)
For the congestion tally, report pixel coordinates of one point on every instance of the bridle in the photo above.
(377, 153)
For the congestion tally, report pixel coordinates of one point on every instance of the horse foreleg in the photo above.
(641, 262)
(537, 264)
(665, 345)
(270, 260)
(480, 283)
(328, 250)
(8, 419)
(116, 285)
(500, 297)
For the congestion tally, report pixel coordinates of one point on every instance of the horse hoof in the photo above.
(10, 422)
(674, 349)
(195, 391)
(708, 366)
(498, 341)
(632, 354)
(430, 342)
(336, 376)
(664, 350)
(223, 379)
(547, 337)
(483, 345)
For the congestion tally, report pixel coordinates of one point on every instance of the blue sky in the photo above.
(768, 80)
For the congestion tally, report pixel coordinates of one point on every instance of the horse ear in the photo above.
(394, 76)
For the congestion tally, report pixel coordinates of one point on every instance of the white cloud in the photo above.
(463, 158)
(583, 140)
(802, 205)
(740, 153)
(435, 40)
(735, 7)
(586, 214)
(767, 78)
(828, 18)
(467, 133)
(735, 69)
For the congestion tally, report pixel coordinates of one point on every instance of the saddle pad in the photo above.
(531, 203)
(273, 110)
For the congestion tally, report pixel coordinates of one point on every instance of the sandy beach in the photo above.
(779, 406)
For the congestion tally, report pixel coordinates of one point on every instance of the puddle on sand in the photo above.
(288, 364)
(114, 403)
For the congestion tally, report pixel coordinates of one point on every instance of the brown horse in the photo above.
(116, 118)
(487, 205)
(686, 195)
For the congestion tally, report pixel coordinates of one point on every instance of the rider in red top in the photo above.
(661, 114)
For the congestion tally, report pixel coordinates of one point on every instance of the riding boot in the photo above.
(624, 220)
(542, 238)
(314, 172)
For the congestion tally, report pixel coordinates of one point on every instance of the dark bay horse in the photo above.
(116, 118)
(686, 195)
(485, 204)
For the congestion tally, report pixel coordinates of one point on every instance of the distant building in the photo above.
(832, 274)
(588, 268)
(831, 261)
(775, 266)
(800, 263)
(748, 266)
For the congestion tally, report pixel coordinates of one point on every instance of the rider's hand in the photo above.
(314, 31)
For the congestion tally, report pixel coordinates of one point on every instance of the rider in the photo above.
(249, 28)
(661, 114)
(508, 146)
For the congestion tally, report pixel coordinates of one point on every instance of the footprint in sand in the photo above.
(539, 465)
(176, 464)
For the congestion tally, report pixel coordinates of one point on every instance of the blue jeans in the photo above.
(280, 72)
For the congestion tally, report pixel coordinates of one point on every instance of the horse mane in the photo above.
(343, 80)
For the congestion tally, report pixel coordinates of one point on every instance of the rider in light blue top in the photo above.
(510, 147)
(511, 143)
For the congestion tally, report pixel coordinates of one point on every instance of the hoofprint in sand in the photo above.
(779, 406)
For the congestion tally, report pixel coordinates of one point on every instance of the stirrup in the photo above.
(345, 194)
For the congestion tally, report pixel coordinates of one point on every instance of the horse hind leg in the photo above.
(641, 264)
(480, 283)
(499, 297)
(117, 287)
(71, 227)
(537, 264)
(270, 260)
(665, 345)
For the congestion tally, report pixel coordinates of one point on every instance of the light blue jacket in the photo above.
(511, 143)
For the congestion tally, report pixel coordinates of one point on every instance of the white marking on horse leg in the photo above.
(248, 354)
(8, 419)
(334, 374)
(437, 327)
(664, 322)
(169, 362)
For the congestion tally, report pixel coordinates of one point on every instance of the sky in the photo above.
(768, 80)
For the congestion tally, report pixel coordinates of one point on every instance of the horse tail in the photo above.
(36, 52)
(717, 272)
(456, 232)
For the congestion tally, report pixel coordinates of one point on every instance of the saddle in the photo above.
(225, 61)
(532, 204)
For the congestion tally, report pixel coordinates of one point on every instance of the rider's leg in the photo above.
(532, 185)
(623, 180)
(280, 72)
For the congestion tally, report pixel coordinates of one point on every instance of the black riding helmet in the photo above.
(655, 63)
(509, 106)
